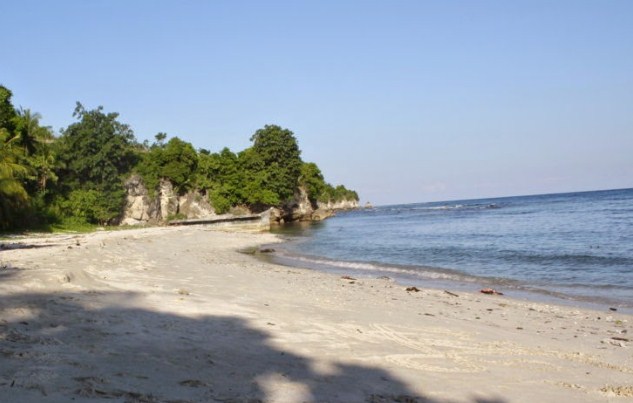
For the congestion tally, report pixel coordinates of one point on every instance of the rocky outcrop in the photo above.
(167, 200)
(301, 209)
(339, 205)
(139, 208)
(142, 209)
(195, 204)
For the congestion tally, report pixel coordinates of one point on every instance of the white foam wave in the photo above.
(419, 272)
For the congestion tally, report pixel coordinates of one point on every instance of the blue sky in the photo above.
(403, 101)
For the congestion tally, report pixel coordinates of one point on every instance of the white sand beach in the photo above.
(179, 315)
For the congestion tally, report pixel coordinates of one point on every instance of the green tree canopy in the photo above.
(79, 176)
(221, 175)
(13, 197)
(275, 161)
(95, 153)
(31, 135)
(312, 180)
(7, 111)
(176, 161)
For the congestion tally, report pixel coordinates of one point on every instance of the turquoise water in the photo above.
(574, 247)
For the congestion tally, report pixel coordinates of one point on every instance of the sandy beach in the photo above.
(180, 315)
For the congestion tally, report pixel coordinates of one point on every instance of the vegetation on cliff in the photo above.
(77, 177)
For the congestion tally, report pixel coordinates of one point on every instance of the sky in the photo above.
(402, 101)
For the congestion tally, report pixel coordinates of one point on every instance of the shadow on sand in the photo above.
(89, 346)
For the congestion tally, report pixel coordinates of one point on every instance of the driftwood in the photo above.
(490, 291)
(451, 293)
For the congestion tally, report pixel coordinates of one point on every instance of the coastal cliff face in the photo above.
(301, 209)
(141, 208)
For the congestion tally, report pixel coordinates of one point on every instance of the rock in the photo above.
(167, 199)
(194, 205)
(141, 209)
(340, 205)
(321, 214)
(617, 343)
(138, 208)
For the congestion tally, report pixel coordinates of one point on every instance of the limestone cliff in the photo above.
(142, 209)
(301, 209)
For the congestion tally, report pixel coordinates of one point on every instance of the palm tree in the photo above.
(44, 163)
(29, 131)
(12, 193)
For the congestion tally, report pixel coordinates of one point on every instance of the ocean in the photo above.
(572, 248)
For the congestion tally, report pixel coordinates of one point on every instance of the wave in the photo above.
(553, 290)
(423, 275)
(568, 259)
(443, 207)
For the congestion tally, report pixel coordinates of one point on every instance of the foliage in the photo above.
(76, 180)
(276, 158)
(94, 152)
(32, 136)
(318, 190)
(221, 176)
(34, 142)
(13, 196)
(7, 111)
(337, 194)
(93, 155)
(179, 163)
(86, 206)
(175, 161)
(312, 180)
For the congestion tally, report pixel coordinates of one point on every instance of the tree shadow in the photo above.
(90, 346)
(7, 271)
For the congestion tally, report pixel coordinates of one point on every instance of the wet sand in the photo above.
(179, 315)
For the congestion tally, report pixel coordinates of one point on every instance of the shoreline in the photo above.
(180, 314)
(407, 276)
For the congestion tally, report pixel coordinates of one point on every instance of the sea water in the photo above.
(573, 247)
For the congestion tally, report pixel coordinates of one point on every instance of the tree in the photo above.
(276, 160)
(179, 164)
(35, 141)
(222, 177)
(175, 161)
(7, 111)
(337, 194)
(312, 180)
(30, 134)
(95, 153)
(13, 197)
